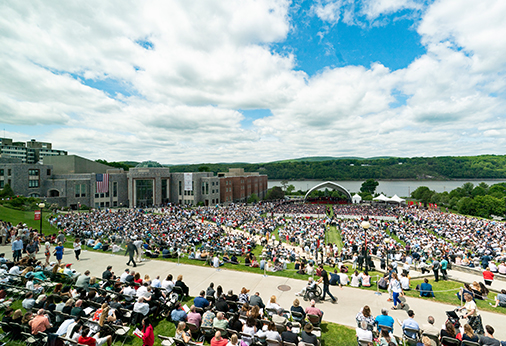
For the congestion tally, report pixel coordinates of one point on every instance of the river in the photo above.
(401, 188)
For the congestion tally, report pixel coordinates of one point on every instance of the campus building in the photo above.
(28, 152)
(73, 181)
(238, 186)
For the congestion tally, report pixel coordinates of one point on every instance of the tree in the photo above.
(284, 184)
(253, 198)
(466, 206)
(369, 186)
(423, 193)
(7, 191)
(275, 193)
(290, 189)
(204, 169)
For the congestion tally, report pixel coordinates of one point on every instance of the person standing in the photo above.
(58, 251)
(47, 252)
(138, 244)
(3, 233)
(17, 247)
(444, 268)
(77, 248)
(435, 268)
(131, 250)
(325, 279)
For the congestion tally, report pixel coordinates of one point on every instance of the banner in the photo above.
(36, 216)
(188, 179)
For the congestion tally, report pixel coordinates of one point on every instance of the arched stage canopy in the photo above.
(330, 185)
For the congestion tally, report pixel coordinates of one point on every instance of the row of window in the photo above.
(105, 204)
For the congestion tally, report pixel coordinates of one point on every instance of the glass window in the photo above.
(144, 192)
(1, 184)
(48, 172)
(115, 189)
(9, 172)
(33, 172)
(1, 172)
(180, 187)
(115, 203)
(33, 183)
(207, 188)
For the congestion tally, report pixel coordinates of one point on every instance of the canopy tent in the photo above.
(396, 199)
(381, 198)
(356, 198)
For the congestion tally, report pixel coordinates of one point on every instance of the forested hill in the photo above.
(441, 168)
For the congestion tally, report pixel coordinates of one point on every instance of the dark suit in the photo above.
(131, 250)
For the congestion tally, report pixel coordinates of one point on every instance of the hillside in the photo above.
(433, 168)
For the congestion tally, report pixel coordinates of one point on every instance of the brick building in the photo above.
(238, 186)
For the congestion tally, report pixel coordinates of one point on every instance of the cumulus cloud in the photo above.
(165, 80)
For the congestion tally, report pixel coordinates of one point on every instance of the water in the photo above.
(401, 188)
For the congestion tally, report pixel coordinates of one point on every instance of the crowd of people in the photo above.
(428, 239)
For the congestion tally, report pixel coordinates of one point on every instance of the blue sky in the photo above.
(255, 80)
(391, 40)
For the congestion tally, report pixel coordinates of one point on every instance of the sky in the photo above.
(254, 80)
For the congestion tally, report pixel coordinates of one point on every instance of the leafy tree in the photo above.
(7, 191)
(204, 169)
(275, 193)
(466, 206)
(284, 184)
(289, 189)
(369, 186)
(423, 193)
(253, 198)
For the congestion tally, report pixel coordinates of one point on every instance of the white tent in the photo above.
(381, 198)
(396, 199)
(356, 198)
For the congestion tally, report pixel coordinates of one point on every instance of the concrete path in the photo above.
(351, 300)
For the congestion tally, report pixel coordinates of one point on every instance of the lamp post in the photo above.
(41, 206)
(365, 225)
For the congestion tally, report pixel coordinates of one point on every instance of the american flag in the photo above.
(102, 183)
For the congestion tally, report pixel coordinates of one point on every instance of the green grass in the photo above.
(334, 236)
(16, 216)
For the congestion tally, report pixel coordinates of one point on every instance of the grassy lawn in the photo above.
(16, 216)
(334, 237)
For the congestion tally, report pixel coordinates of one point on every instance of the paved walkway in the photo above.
(351, 300)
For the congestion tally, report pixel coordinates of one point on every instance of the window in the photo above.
(180, 188)
(33, 183)
(102, 196)
(1, 184)
(102, 204)
(207, 188)
(107, 194)
(80, 190)
(203, 188)
(115, 203)
(107, 204)
(33, 172)
(9, 172)
(115, 189)
(48, 172)
(1, 172)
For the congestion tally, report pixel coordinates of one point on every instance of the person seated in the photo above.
(288, 335)
(426, 289)
(500, 299)
(362, 333)
(181, 334)
(165, 253)
(234, 260)
(220, 321)
(404, 281)
(365, 279)
(218, 340)
(384, 320)
(311, 284)
(466, 289)
(469, 334)
(279, 318)
(307, 335)
(97, 245)
(449, 331)
(95, 340)
(194, 317)
(355, 279)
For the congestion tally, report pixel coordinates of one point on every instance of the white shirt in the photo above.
(77, 246)
(404, 283)
(15, 270)
(142, 308)
(168, 285)
(64, 326)
(141, 291)
(123, 277)
(364, 334)
(129, 291)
